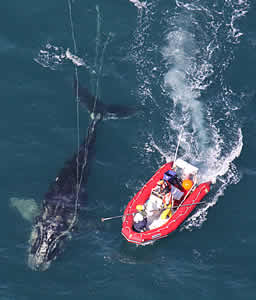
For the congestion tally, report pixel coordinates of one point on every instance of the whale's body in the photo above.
(60, 207)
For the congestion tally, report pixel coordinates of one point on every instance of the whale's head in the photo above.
(46, 242)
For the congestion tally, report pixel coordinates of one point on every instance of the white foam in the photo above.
(139, 4)
(78, 61)
(185, 78)
(233, 10)
(196, 52)
(53, 56)
(200, 216)
(222, 162)
(204, 143)
(239, 9)
(50, 57)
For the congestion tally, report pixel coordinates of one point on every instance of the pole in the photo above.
(177, 146)
(120, 216)
(115, 217)
(189, 204)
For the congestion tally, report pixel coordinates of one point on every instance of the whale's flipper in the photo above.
(108, 111)
(28, 208)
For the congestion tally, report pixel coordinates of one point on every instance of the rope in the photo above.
(91, 126)
(94, 121)
(100, 70)
(67, 231)
(98, 37)
(77, 99)
(91, 129)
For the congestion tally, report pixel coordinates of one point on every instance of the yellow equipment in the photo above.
(166, 213)
(140, 207)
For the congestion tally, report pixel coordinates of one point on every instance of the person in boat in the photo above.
(159, 198)
(174, 196)
(140, 219)
(162, 187)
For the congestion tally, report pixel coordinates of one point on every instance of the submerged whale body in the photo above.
(60, 207)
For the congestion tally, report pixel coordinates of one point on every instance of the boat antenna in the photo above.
(175, 157)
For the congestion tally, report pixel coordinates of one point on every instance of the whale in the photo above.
(60, 208)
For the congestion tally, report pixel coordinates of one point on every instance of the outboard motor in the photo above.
(171, 177)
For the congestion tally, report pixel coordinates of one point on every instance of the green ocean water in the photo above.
(190, 66)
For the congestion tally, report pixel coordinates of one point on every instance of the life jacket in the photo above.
(167, 212)
(167, 199)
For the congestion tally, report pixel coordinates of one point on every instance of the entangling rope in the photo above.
(91, 126)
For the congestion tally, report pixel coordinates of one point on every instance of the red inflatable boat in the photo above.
(163, 203)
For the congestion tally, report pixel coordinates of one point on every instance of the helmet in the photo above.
(160, 182)
(187, 184)
(140, 207)
(138, 218)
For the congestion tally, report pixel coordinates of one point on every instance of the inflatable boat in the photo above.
(163, 203)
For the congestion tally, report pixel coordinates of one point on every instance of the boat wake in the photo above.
(195, 53)
(138, 3)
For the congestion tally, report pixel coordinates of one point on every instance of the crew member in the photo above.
(163, 186)
(140, 219)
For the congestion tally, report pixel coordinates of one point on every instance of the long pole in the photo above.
(178, 146)
(120, 216)
(115, 217)
(189, 204)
